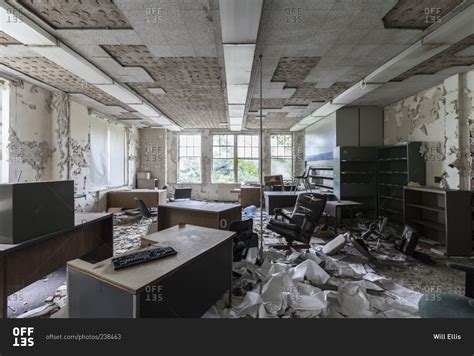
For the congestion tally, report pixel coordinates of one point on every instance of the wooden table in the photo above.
(24, 263)
(213, 215)
(126, 198)
(183, 285)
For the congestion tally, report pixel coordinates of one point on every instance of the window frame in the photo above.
(284, 157)
(178, 181)
(235, 157)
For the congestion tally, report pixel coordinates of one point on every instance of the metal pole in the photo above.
(260, 252)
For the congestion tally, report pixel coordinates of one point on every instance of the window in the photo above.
(189, 159)
(247, 154)
(235, 158)
(223, 152)
(108, 154)
(282, 155)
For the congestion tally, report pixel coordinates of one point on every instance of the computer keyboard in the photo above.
(145, 255)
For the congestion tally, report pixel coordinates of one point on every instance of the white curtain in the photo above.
(117, 155)
(99, 152)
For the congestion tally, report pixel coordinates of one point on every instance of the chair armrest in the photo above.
(284, 225)
(462, 267)
(279, 211)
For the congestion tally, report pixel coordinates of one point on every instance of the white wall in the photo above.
(439, 116)
(50, 140)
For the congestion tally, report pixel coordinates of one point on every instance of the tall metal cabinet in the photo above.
(355, 176)
(397, 166)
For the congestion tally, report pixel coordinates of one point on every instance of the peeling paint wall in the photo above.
(207, 190)
(439, 117)
(30, 133)
(153, 153)
(49, 139)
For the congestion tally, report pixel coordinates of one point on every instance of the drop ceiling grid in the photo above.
(44, 70)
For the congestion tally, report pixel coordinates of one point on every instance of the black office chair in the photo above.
(447, 305)
(244, 239)
(303, 178)
(146, 212)
(303, 221)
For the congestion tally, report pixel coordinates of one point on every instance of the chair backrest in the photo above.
(306, 171)
(143, 208)
(241, 226)
(274, 180)
(310, 206)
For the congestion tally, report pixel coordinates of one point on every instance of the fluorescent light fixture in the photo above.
(172, 127)
(412, 56)
(70, 60)
(236, 120)
(355, 92)
(240, 20)
(308, 120)
(145, 109)
(238, 63)
(298, 127)
(18, 26)
(237, 94)
(120, 93)
(326, 109)
(235, 127)
(236, 110)
(160, 120)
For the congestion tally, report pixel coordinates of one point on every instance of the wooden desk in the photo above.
(126, 198)
(212, 215)
(24, 263)
(183, 285)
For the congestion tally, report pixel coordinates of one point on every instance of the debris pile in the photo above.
(313, 285)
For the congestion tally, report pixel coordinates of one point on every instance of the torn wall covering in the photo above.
(50, 139)
(434, 117)
(60, 113)
(208, 190)
(30, 135)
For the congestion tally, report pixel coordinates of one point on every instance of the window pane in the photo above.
(223, 171)
(241, 152)
(255, 152)
(248, 170)
(281, 166)
(215, 140)
(189, 170)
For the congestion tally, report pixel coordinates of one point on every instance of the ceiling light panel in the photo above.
(15, 24)
(326, 109)
(146, 110)
(120, 93)
(240, 20)
(70, 60)
(355, 92)
(238, 63)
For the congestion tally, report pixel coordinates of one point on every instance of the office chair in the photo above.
(303, 221)
(303, 178)
(245, 237)
(447, 305)
(274, 183)
(146, 212)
